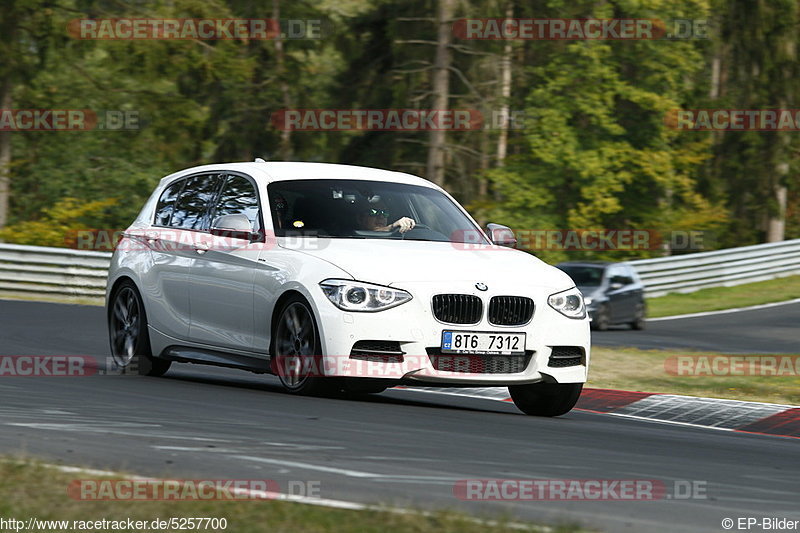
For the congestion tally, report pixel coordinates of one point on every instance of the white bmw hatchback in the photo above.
(340, 277)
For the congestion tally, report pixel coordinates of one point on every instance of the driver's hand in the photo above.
(404, 224)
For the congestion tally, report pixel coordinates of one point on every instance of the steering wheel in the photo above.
(416, 226)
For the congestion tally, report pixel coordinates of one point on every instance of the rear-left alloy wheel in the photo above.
(127, 329)
(297, 357)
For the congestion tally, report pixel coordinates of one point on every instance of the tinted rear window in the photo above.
(586, 276)
(191, 209)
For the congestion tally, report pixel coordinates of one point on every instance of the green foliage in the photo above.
(759, 42)
(59, 223)
(594, 150)
(597, 152)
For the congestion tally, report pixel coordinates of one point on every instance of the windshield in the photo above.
(584, 276)
(359, 209)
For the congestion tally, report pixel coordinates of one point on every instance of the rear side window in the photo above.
(238, 197)
(166, 204)
(191, 208)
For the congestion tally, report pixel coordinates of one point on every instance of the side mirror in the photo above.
(501, 235)
(233, 226)
(615, 285)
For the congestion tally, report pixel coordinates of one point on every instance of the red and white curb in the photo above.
(730, 415)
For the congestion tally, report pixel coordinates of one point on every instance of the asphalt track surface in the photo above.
(758, 331)
(401, 448)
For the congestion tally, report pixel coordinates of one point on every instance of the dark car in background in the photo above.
(613, 292)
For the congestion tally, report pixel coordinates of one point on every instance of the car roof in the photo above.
(285, 170)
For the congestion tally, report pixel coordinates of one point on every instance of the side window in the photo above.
(166, 204)
(613, 273)
(238, 197)
(631, 274)
(191, 209)
(619, 274)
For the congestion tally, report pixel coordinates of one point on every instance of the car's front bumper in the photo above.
(414, 327)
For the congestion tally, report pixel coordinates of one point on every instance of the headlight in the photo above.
(359, 296)
(569, 303)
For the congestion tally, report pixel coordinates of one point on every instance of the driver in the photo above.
(375, 218)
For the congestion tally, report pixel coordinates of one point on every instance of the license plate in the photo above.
(476, 342)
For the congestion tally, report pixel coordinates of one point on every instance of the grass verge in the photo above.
(645, 370)
(34, 490)
(52, 298)
(718, 298)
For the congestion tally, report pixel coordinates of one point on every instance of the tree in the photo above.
(26, 31)
(760, 70)
(599, 154)
(441, 88)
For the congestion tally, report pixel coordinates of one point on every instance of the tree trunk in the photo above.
(716, 65)
(776, 213)
(5, 155)
(776, 224)
(286, 151)
(441, 89)
(505, 95)
(483, 184)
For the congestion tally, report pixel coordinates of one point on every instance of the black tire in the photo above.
(546, 399)
(638, 321)
(601, 320)
(296, 351)
(128, 335)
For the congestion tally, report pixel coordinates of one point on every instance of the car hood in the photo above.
(395, 261)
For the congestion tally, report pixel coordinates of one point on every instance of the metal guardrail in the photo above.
(41, 271)
(719, 268)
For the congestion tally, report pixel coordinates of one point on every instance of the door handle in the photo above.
(152, 237)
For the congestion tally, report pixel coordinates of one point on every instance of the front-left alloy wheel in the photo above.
(297, 357)
(127, 330)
